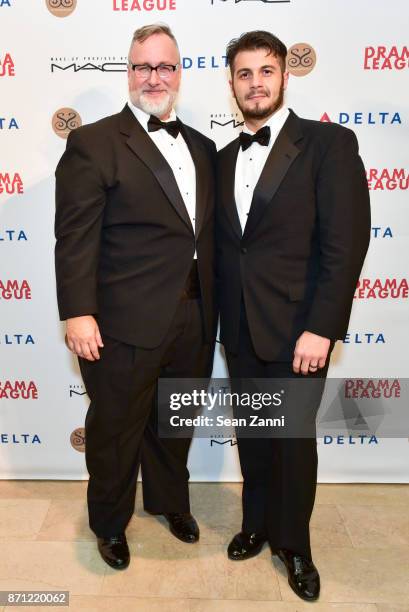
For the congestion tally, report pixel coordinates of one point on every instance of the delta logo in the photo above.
(19, 438)
(386, 58)
(372, 388)
(381, 232)
(381, 179)
(18, 389)
(364, 338)
(7, 66)
(11, 183)
(8, 123)
(202, 62)
(360, 118)
(15, 290)
(144, 5)
(16, 339)
(361, 439)
(382, 289)
(13, 235)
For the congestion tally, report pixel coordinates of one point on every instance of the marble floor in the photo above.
(360, 541)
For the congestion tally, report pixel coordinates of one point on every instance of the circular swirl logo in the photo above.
(77, 439)
(64, 121)
(301, 59)
(61, 8)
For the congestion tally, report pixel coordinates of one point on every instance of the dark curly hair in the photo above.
(257, 39)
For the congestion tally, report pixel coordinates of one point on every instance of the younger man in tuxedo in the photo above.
(293, 223)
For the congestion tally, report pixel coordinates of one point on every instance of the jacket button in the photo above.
(243, 250)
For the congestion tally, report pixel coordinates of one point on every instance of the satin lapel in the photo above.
(226, 180)
(281, 157)
(144, 147)
(202, 166)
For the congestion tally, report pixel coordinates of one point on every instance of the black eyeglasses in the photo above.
(144, 71)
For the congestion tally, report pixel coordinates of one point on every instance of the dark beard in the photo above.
(263, 113)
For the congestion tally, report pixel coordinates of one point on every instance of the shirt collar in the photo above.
(143, 117)
(275, 122)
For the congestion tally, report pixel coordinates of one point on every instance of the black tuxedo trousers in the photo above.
(279, 474)
(121, 422)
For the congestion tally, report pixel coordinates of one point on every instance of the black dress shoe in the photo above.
(303, 576)
(183, 526)
(245, 545)
(114, 551)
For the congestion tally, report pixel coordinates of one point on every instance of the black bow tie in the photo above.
(262, 137)
(172, 127)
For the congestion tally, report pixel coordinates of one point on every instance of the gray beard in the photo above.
(158, 109)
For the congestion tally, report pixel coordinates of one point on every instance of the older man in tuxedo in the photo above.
(135, 284)
(293, 223)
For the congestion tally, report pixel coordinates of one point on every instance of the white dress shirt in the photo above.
(250, 164)
(177, 154)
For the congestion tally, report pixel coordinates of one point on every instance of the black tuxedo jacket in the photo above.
(298, 261)
(125, 243)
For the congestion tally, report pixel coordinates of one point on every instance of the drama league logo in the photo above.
(7, 66)
(13, 289)
(263, 1)
(144, 5)
(389, 288)
(61, 8)
(64, 121)
(359, 388)
(77, 439)
(389, 179)
(18, 389)
(11, 183)
(301, 59)
(384, 58)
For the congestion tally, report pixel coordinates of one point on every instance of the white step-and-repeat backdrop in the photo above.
(63, 63)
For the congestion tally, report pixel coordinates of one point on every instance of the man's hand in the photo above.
(310, 353)
(83, 337)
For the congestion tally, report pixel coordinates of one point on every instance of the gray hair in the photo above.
(145, 32)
